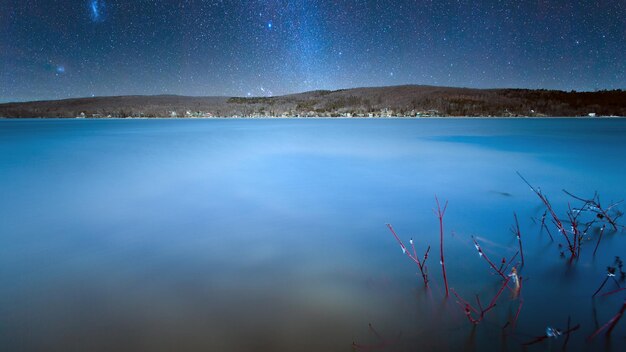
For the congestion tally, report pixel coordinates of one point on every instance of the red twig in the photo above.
(420, 264)
(555, 218)
(599, 239)
(576, 234)
(613, 292)
(519, 309)
(495, 298)
(483, 255)
(509, 262)
(518, 233)
(601, 286)
(569, 320)
(535, 340)
(440, 214)
(610, 325)
(413, 247)
(423, 269)
(468, 308)
(608, 275)
(597, 208)
(480, 306)
(402, 246)
(543, 225)
(464, 302)
(615, 320)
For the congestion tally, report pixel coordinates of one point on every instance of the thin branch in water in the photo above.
(402, 246)
(610, 325)
(420, 264)
(544, 226)
(440, 213)
(519, 309)
(601, 286)
(597, 208)
(495, 298)
(555, 219)
(518, 234)
(484, 256)
(613, 292)
(599, 239)
(468, 308)
(480, 306)
(464, 302)
(576, 236)
(509, 262)
(610, 274)
(619, 263)
(569, 319)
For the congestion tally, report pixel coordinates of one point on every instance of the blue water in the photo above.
(249, 235)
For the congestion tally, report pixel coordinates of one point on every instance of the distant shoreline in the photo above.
(319, 118)
(376, 102)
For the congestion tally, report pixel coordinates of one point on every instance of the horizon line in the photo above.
(302, 92)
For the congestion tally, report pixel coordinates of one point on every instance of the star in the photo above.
(232, 47)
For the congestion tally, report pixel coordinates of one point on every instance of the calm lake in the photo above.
(270, 235)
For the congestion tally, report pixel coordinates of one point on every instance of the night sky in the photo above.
(78, 48)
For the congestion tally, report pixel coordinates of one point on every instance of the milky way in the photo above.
(96, 7)
(257, 48)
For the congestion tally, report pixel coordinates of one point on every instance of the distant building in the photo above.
(592, 114)
(386, 112)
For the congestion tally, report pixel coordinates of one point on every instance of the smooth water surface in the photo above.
(269, 235)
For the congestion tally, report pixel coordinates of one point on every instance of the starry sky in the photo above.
(78, 48)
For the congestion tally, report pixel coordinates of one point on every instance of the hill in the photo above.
(407, 100)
